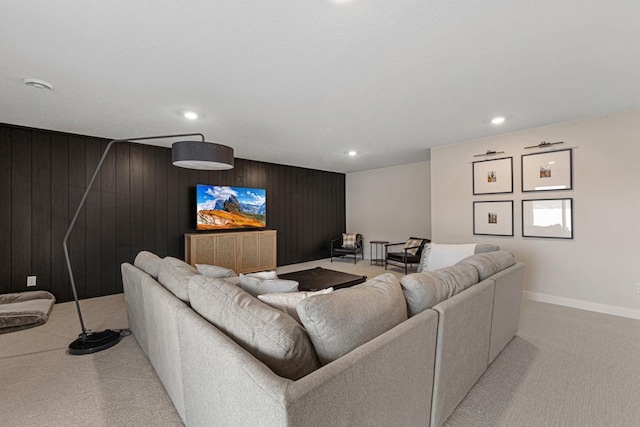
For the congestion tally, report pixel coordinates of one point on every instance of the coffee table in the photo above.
(322, 278)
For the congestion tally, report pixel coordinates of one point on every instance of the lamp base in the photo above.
(94, 342)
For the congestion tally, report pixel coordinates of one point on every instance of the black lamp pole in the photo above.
(92, 342)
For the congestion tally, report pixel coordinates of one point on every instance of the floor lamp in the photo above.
(186, 154)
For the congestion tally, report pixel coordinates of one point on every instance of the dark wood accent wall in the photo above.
(140, 201)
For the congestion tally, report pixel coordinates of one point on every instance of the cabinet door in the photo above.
(267, 251)
(225, 255)
(248, 252)
(203, 251)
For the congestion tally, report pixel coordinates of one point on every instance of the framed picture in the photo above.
(493, 176)
(547, 218)
(493, 218)
(547, 171)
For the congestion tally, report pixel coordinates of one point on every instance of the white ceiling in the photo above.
(302, 82)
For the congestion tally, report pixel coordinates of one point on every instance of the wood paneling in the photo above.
(139, 201)
(59, 214)
(5, 210)
(20, 208)
(41, 207)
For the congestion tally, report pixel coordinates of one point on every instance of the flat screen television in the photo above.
(225, 208)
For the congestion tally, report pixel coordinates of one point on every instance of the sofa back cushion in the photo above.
(174, 276)
(288, 301)
(482, 248)
(489, 263)
(435, 256)
(270, 335)
(149, 263)
(343, 320)
(426, 289)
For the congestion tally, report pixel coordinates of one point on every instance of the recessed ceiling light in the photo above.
(190, 115)
(38, 84)
(498, 120)
(352, 153)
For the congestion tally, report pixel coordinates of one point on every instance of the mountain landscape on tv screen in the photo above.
(222, 207)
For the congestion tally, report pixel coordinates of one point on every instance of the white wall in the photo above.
(597, 270)
(390, 204)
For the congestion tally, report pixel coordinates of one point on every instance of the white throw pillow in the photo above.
(215, 272)
(287, 302)
(263, 275)
(255, 286)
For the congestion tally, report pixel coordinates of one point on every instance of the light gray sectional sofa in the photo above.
(385, 352)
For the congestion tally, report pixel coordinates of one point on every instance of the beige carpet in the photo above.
(41, 385)
(566, 367)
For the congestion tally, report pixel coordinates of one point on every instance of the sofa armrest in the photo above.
(224, 385)
(506, 307)
(462, 353)
(136, 312)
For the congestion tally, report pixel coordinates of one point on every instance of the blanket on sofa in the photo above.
(435, 256)
(22, 310)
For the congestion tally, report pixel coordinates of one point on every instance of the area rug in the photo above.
(22, 310)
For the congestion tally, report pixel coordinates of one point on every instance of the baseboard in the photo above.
(583, 305)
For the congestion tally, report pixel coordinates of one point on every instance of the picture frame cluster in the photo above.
(541, 218)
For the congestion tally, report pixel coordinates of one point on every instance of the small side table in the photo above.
(376, 256)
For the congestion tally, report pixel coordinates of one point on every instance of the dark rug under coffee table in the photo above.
(321, 278)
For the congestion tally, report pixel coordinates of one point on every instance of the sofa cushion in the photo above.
(288, 302)
(345, 319)
(174, 275)
(256, 286)
(435, 256)
(485, 247)
(426, 289)
(270, 335)
(489, 263)
(149, 263)
(215, 271)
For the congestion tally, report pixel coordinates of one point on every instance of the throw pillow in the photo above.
(255, 286)
(287, 302)
(270, 335)
(263, 275)
(174, 276)
(348, 240)
(412, 246)
(215, 272)
(345, 319)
